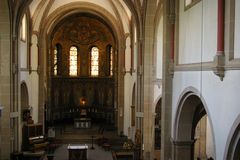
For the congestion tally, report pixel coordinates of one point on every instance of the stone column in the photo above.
(148, 85)
(219, 59)
(166, 145)
(183, 150)
(220, 29)
(5, 80)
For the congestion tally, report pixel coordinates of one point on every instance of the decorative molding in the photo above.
(219, 66)
(232, 67)
(233, 62)
(205, 66)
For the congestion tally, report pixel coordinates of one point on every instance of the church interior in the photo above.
(119, 79)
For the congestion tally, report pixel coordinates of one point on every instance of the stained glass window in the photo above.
(94, 61)
(55, 60)
(73, 61)
(111, 61)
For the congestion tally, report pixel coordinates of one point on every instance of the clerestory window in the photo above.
(56, 59)
(73, 58)
(23, 30)
(94, 61)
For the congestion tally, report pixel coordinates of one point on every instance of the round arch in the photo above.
(159, 98)
(232, 150)
(48, 25)
(191, 108)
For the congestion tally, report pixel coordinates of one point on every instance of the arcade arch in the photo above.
(192, 128)
(232, 150)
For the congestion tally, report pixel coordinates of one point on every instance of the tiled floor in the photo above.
(98, 153)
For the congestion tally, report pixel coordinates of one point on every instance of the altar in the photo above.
(82, 123)
(78, 152)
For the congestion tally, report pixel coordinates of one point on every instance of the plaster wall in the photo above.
(32, 79)
(159, 62)
(237, 30)
(128, 87)
(221, 97)
(128, 90)
(197, 32)
(32, 83)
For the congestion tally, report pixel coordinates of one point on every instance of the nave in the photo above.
(166, 70)
(102, 141)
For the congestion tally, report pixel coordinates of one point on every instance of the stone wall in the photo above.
(4, 80)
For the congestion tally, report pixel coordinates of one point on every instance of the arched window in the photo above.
(94, 61)
(23, 30)
(73, 61)
(111, 61)
(56, 59)
(23, 43)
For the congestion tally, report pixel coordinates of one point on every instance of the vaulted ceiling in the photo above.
(123, 11)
